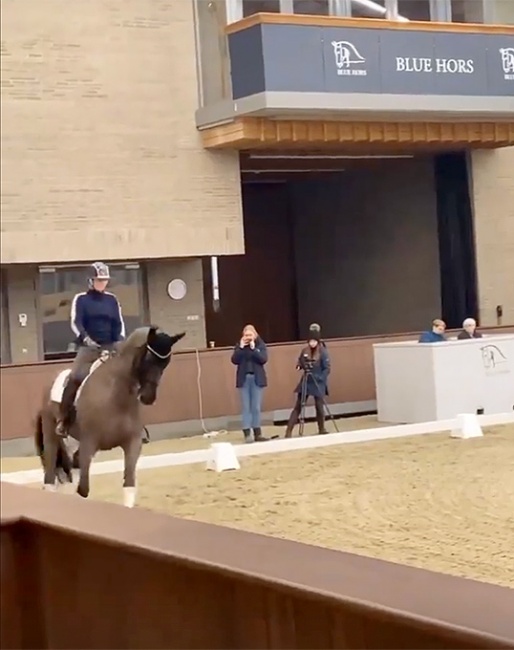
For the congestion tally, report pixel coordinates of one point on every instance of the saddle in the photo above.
(68, 396)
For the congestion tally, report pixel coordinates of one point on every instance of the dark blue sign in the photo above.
(306, 58)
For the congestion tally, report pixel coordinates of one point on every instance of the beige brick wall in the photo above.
(493, 198)
(175, 316)
(101, 157)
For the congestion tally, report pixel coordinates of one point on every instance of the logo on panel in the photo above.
(507, 56)
(348, 60)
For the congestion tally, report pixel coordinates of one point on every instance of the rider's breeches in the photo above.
(83, 362)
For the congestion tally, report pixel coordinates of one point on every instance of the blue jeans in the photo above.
(251, 400)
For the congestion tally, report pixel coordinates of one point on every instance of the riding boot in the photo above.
(248, 435)
(257, 435)
(68, 399)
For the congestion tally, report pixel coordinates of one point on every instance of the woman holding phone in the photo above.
(250, 356)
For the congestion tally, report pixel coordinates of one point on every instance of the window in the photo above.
(368, 9)
(260, 6)
(414, 9)
(314, 7)
(468, 11)
(58, 286)
(5, 346)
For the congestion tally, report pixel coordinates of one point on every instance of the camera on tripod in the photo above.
(306, 363)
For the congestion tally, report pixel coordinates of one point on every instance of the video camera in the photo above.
(306, 363)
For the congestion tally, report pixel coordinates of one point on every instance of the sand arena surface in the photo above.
(428, 501)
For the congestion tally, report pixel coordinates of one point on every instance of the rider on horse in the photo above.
(97, 322)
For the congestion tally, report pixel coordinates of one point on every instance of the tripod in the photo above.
(303, 401)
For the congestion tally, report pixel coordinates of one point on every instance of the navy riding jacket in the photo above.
(98, 315)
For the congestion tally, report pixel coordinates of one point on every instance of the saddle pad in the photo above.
(58, 386)
(62, 378)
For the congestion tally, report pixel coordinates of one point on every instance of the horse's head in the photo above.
(151, 349)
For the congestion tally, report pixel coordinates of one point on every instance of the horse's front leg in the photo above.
(132, 451)
(86, 453)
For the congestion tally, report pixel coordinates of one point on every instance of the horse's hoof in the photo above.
(82, 493)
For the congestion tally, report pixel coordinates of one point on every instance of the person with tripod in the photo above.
(315, 364)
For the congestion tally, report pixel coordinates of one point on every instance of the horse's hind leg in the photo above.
(86, 454)
(132, 450)
(50, 450)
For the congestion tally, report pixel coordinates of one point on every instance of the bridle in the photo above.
(163, 357)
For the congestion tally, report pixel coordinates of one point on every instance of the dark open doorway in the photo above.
(258, 287)
(364, 245)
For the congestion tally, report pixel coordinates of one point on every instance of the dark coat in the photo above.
(466, 335)
(318, 377)
(431, 337)
(251, 361)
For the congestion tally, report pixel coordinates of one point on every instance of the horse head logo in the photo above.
(346, 54)
(492, 356)
(507, 55)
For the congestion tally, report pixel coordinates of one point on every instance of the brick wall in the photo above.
(101, 157)
(493, 197)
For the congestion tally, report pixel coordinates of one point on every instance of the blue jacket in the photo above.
(431, 337)
(250, 361)
(97, 315)
(318, 377)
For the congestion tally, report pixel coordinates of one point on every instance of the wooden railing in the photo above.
(81, 574)
(351, 380)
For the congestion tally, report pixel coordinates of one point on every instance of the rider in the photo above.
(97, 322)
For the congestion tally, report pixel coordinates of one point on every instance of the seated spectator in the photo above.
(436, 334)
(469, 330)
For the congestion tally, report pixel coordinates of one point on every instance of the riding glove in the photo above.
(90, 343)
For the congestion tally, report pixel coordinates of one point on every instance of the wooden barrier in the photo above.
(78, 574)
(352, 380)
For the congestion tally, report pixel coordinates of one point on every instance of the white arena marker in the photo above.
(222, 456)
(467, 426)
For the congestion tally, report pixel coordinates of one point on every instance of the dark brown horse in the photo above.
(107, 410)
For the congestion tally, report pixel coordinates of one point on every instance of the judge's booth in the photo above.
(424, 382)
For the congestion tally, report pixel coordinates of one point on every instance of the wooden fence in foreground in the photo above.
(79, 574)
(352, 380)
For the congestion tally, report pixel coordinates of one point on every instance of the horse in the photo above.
(107, 411)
